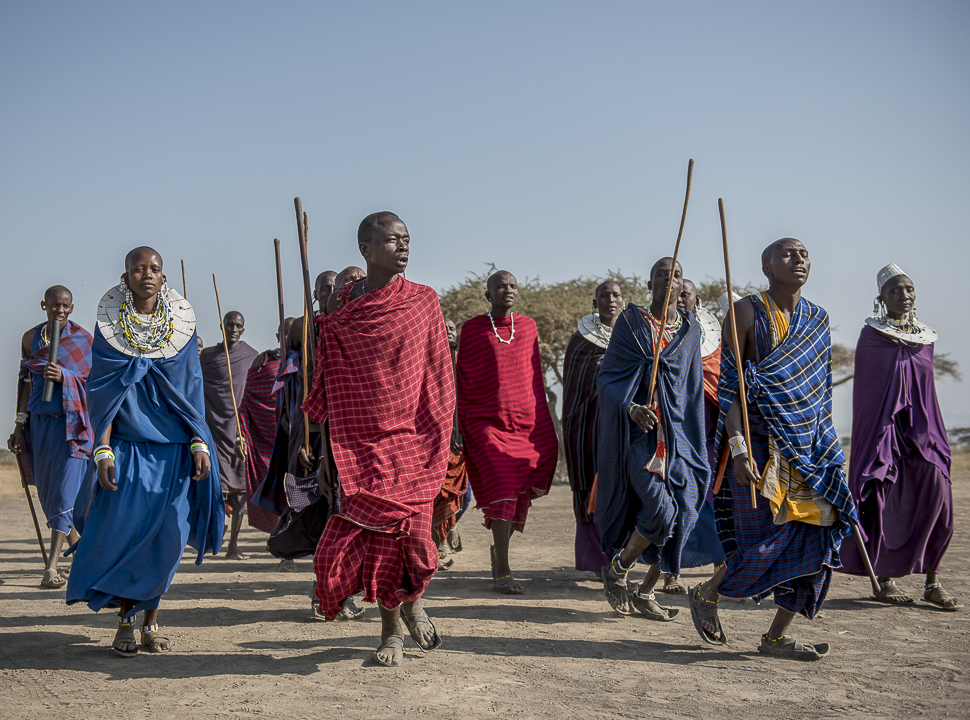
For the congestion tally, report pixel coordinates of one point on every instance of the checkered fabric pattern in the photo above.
(389, 394)
(257, 422)
(74, 359)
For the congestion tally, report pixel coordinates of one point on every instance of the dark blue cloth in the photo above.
(628, 496)
(791, 388)
(57, 475)
(132, 539)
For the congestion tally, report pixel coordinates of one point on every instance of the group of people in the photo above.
(362, 439)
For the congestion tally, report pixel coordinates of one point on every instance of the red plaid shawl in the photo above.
(389, 394)
(510, 442)
(257, 422)
(74, 359)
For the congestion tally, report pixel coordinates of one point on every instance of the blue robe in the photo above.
(132, 539)
(628, 495)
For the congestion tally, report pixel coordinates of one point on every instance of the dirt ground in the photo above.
(246, 644)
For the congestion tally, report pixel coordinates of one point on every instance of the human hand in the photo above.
(743, 472)
(106, 474)
(52, 371)
(306, 460)
(202, 465)
(645, 417)
(241, 449)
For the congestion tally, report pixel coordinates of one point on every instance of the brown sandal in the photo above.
(935, 594)
(890, 594)
(153, 640)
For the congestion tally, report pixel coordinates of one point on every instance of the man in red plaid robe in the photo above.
(384, 381)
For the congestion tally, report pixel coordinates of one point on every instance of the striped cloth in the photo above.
(74, 360)
(791, 387)
(388, 392)
(579, 411)
(662, 507)
(447, 504)
(257, 419)
(510, 442)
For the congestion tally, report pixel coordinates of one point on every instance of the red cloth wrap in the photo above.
(448, 502)
(257, 423)
(510, 442)
(389, 393)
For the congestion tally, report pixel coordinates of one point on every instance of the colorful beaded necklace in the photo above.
(151, 335)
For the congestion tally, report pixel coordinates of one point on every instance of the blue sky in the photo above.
(549, 138)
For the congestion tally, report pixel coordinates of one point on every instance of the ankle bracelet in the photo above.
(617, 565)
(777, 639)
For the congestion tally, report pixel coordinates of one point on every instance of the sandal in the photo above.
(395, 644)
(936, 595)
(890, 594)
(350, 610)
(124, 643)
(648, 606)
(703, 609)
(673, 585)
(615, 587)
(53, 579)
(790, 649)
(153, 640)
(507, 586)
(412, 622)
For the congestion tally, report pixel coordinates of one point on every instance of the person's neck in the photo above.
(145, 306)
(656, 307)
(785, 297)
(377, 278)
(230, 344)
(500, 312)
(607, 322)
(896, 316)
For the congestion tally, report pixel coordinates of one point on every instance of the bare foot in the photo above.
(235, 554)
(390, 652)
(419, 625)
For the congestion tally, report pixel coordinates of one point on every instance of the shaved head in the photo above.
(139, 252)
(497, 277)
(55, 291)
(660, 262)
(769, 252)
(373, 220)
(234, 315)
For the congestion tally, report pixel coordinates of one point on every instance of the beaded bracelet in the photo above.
(22, 418)
(199, 447)
(738, 445)
(104, 455)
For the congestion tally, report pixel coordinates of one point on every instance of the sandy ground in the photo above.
(245, 644)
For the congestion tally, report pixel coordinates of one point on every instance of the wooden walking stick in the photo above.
(742, 395)
(55, 346)
(225, 346)
(279, 292)
(658, 346)
(185, 292)
(33, 512)
(873, 580)
(309, 349)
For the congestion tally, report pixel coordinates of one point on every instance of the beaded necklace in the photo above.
(668, 327)
(495, 330)
(146, 335)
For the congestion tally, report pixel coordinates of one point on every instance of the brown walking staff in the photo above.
(279, 292)
(55, 347)
(33, 512)
(658, 346)
(309, 349)
(873, 580)
(185, 292)
(225, 346)
(742, 395)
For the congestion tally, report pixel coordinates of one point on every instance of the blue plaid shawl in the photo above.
(792, 388)
(623, 378)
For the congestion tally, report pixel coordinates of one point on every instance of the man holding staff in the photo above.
(389, 394)
(220, 416)
(789, 543)
(53, 439)
(652, 462)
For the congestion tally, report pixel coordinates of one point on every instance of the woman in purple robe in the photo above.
(899, 469)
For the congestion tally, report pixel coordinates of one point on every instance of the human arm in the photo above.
(734, 420)
(200, 459)
(105, 462)
(15, 443)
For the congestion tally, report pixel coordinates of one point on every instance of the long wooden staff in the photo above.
(742, 395)
(185, 292)
(873, 580)
(225, 346)
(658, 346)
(279, 292)
(309, 349)
(33, 512)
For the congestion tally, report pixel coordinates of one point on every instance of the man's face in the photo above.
(789, 264)
(58, 306)
(661, 277)
(899, 295)
(688, 297)
(324, 288)
(234, 325)
(144, 275)
(502, 292)
(609, 301)
(452, 330)
(388, 247)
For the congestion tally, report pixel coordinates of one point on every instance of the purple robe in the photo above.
(899, 467)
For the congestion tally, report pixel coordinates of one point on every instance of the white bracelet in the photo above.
(22, 418)
(738, 445)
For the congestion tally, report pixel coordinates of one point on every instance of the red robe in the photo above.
(510, 442)
(389, 393)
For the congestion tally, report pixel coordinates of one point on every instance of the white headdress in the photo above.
(908, 329)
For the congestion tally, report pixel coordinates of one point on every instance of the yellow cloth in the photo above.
(791, 498)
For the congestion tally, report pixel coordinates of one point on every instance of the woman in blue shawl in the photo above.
(153, 489)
